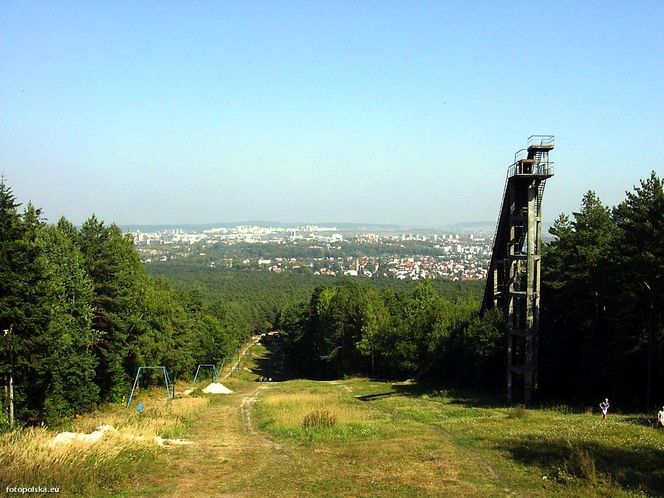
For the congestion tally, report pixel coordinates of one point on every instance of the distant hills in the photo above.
(476, 226)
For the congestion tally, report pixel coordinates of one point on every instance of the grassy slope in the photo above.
(388, 440)
(402, 440)
(396, 439)
(28, 458)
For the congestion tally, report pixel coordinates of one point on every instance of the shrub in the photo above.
(562, 476)
(318, 419)
(581, 464)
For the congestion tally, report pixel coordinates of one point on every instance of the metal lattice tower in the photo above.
(513, 281)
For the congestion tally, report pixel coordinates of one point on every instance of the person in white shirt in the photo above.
(660, 418)
(604, 406)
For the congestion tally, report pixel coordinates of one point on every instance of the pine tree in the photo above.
(639, 288)
(11, 304)
(575, 293)
(68, 362)
(114, 267)
(11, 232)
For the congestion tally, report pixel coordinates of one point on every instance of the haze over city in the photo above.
(379, 112)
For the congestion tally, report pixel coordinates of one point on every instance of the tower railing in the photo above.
(539, 169)
(534, 140)
(520, 154)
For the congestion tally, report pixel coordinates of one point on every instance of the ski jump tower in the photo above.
(513, 281)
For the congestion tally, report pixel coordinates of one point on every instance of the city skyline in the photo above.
(390, 113)
(322, 251)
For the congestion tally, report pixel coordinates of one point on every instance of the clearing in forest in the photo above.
(371, 438)
(356, 437)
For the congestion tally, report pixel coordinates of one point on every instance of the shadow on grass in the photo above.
(478, 398)
(635, 467)
(272, 364)
(456, 396)
(641, 420)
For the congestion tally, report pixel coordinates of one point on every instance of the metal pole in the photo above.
(131, 395)
(168, 389)
(196, 375)
(651, 337)
(650, 346)
(10, 380)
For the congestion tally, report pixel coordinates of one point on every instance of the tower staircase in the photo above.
(513, 281)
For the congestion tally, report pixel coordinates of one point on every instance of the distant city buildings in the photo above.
(324, 251)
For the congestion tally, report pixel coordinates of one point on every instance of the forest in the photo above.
(258, 296)
(347, 329)
(602, 300)
(601, 317)
(80, 312)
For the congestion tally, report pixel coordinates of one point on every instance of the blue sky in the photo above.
(384, 112)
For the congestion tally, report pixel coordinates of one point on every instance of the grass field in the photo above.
(29, 457)
(402, 439)
(351, 437)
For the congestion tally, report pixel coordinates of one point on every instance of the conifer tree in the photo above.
(11, 288)
(113, 266)
(68, 362)
(639, 288)
(574, 345)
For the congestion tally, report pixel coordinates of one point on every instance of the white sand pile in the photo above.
(97, 435)
(216, 388)
(93, 437)
(173, 442)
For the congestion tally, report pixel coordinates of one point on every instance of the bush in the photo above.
(580, 463)
(318, 419)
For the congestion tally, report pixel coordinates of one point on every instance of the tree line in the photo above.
(348, 328)
(79, 314)
(601, 316)
(257, 296)
(602, 299)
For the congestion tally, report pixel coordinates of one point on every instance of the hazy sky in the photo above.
(387, 112)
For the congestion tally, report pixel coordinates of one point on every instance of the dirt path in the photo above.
(253, 342)
(228, 457)
(231, 457)
(226, 454)
(246, 407)
(245, 410)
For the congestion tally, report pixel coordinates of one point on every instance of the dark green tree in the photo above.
(65, 362)
(577, 271)
(638, 288)
(12, 288)
(115, 270)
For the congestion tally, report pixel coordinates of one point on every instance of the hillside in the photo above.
(361, 437)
